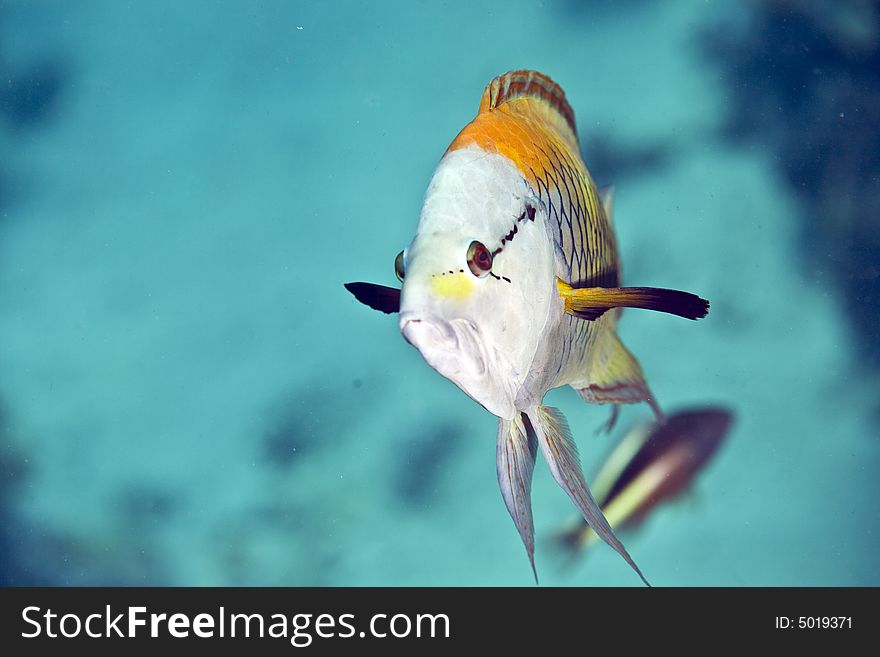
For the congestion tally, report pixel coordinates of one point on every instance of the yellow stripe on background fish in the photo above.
(511, 287)
(651, 465)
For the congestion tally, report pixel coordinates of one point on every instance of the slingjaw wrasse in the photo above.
(511, 287)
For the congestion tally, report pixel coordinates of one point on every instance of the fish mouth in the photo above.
(459, 351)
(454, 348)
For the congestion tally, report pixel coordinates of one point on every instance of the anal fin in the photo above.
(516, 453)
(615, 376)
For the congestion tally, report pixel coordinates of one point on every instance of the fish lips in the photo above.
(457, 350)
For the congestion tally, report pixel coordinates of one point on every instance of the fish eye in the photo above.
(479, 259)
(399, 268)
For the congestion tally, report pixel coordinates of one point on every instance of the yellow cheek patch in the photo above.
(457, 287)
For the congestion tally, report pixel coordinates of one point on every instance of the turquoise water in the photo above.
(189, 396)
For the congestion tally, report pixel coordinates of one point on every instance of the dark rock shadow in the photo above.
(310, 419)
(30, 95)
(13, 476)
(424, 459)
(610, 160)
(804, 82)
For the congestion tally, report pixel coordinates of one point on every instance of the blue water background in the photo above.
(189, 396)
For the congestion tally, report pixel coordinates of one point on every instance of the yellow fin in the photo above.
(592, 302)
(615, 376)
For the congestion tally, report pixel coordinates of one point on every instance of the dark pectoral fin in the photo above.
(592, 302)
(377, 297)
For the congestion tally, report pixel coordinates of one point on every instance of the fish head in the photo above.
(478, 278)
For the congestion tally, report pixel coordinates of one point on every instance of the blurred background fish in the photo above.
(182, 401)
(651, 465)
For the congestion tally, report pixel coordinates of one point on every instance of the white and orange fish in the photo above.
(508, 284)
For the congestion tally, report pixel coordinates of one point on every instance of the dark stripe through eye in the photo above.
(479, 258)
(528, 213)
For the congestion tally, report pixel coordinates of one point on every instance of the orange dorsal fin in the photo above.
(524, 116)
(531, 85)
